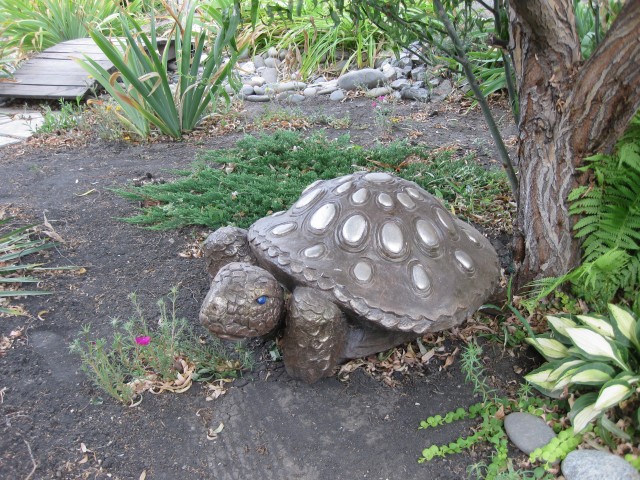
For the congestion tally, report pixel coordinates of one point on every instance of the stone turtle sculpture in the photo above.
(371, 261)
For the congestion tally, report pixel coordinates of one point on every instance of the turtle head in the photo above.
(244, 301)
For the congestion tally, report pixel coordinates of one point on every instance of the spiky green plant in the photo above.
(15, 244)
(28, 25)
(145, 94)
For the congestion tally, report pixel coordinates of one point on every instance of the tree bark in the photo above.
(568, 110)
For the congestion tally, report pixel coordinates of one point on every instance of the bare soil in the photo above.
(52, 424)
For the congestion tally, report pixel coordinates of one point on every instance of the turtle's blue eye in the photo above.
(262, 300)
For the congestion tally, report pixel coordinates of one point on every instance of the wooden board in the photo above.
(54, 74)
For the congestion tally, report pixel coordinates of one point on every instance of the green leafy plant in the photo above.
(15, 244)
(145, 94)
(268, 173)
(69, 116)
(609, 223)
(490, 412)
(141, 358)
(597, 357)
(28, 25)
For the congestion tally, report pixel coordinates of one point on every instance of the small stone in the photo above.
(403, 63)
(365, 78)
(282, 54)
(257, 81)
(400, 84)
(596, 465)
(272, 62)
(229, 89)
(310, 92)
(270, 75)
(320, 79)
(247, 90)
(272, 52)
(378, 92)
(326, 90)
(258, 61)
(258, 98)
(336, 96)
(295, 98)
(418, 74)
(434, 82)
(444, 89)
(247, 68)
(416, 93)
(289, 86)
(283, 95)
(527, 432)
(390, 73)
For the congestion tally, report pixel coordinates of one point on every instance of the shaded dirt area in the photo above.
(274, 427)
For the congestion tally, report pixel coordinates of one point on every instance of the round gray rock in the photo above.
(337, 96)
(596, 465)
(365, 78)
(527, 432)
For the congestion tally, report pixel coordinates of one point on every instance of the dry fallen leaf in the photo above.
(213, 434)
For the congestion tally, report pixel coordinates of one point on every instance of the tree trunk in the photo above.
(568, 110)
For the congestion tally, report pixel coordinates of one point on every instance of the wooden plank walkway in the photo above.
(54, 74)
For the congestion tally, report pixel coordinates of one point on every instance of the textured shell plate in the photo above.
(386, 249)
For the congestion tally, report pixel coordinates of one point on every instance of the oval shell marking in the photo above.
(420, 279)
(378, 177)
(446, 221)
(344, 187)
(283, 229)
(405, 200)
(392, 239)
(360, 196)
(473, 239)
(354, 229)
(414, 193)
(385, 200)
(427, 233)
(307, 198)
(363, 271)
(464, 260)
(322, 217)
(316, 251)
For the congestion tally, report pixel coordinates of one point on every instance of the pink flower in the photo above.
(374, 104)
(143, 340)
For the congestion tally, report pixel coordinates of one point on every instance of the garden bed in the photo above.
(57, 424)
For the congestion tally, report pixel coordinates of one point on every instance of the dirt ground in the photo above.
(51, 425)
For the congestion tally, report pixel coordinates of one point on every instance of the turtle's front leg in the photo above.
(314, 335)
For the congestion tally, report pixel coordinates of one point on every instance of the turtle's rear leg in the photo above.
(226, 245)
(314, 336)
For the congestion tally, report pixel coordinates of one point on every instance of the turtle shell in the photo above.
(384, 248)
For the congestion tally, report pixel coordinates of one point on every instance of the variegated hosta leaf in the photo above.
(584, 417)
(549, 348)
(625, 322)
(612, 393)
(596, 373)
(595, 346)
(560, 324)
(583, 411)
(600, 325)
(552, 377)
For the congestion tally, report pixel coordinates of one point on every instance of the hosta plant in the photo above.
(594, 356)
